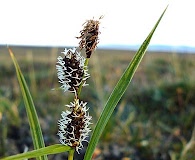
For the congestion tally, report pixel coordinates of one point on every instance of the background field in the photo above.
(154, 120)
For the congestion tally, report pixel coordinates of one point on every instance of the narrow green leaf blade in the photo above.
(35, 128)
(118, 92)
(54, 149)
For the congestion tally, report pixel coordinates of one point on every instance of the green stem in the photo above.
(71, 154)
(81, 85)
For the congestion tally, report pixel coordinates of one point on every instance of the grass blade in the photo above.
(54, 149)
(118, 92)
(35, 128)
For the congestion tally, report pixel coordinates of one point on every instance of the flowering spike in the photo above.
(74, 125)
(71, 70)
(89, 36)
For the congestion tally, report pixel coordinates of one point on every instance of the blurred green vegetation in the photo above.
(154, 119)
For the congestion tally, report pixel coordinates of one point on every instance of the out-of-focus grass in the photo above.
(154, 118)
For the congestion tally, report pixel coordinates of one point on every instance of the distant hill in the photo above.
(153, 48)
(163, 48)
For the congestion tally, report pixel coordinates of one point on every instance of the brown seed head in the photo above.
(89, 36)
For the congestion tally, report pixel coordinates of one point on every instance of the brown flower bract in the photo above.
(89, 36)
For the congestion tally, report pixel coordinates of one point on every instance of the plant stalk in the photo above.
(71, 154)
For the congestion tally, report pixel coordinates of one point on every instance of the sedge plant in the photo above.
(72, 72)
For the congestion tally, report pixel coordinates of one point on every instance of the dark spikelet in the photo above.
(74, 70)
(74, 125)
(71, 70)
(89, 36)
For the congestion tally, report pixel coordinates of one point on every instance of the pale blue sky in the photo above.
(57, 23)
